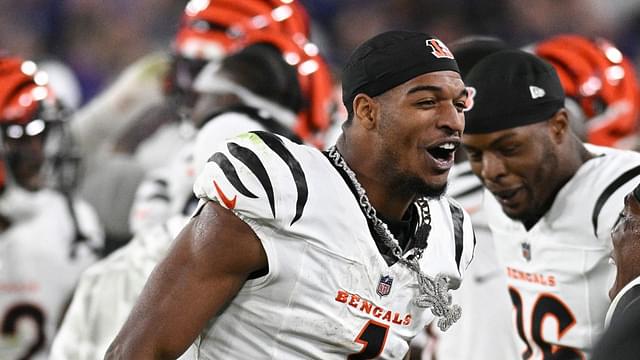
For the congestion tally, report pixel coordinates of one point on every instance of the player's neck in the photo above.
(385, 198)
(576, 156)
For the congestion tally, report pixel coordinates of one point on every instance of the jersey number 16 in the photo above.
(545, 305)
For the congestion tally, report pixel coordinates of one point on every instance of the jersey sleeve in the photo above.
(256, 176)
(609, 205)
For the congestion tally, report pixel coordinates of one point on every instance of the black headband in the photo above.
(391, 59)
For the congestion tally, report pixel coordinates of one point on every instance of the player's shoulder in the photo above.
(262, 151)
(602, 182)
(267, 146)
(607, 171)
(613, 161)
(262, 175)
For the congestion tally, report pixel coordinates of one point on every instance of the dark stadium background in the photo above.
(98, 38)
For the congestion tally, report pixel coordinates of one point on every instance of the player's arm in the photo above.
(208, 264)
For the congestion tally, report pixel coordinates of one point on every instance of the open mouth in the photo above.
(506, 197)
(443, 152)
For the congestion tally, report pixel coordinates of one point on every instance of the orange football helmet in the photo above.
(314, 78)
(601, 80)
(28, 110)
(208, 28)
(23, 91)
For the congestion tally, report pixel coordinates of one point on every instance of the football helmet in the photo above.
(601, 80)
(210, 29)
(31, 121)
(314, 78)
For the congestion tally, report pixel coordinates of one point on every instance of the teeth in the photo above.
(447, 146)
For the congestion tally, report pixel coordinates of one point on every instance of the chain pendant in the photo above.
(434, 292)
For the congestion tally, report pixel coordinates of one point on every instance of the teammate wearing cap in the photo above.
(301, 267)
(553, 201)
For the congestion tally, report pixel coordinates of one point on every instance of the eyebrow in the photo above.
(502, 138)
(424, 88)
(493, 143)
(434, 88)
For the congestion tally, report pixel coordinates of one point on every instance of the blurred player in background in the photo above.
(47, 235)
(269, 85)
(601, 87)
(141, 120)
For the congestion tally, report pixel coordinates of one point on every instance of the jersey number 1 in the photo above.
(373, 336)
(545, 305)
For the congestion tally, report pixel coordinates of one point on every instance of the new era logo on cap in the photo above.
(536, 92)
(439, 49)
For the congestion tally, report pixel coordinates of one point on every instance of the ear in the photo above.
(365, 110)
(559, 125)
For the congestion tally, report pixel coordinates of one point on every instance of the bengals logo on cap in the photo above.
(439, 49)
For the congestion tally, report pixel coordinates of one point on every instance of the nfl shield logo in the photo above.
(526, 251)
(384, 285)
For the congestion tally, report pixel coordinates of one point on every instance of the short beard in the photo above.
(410, 184)
(418, 187)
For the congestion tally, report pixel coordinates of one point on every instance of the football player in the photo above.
(593, 62)
(294, 253)
(47, 236)
(551, 202)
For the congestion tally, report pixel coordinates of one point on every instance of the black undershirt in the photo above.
(402, 230)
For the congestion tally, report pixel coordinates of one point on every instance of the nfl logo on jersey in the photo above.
(526, 251)
(384, 285)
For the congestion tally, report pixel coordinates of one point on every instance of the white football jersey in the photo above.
(483, 295)
(107, 292)
(37, 269)
(328, 293)
(558, 272)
